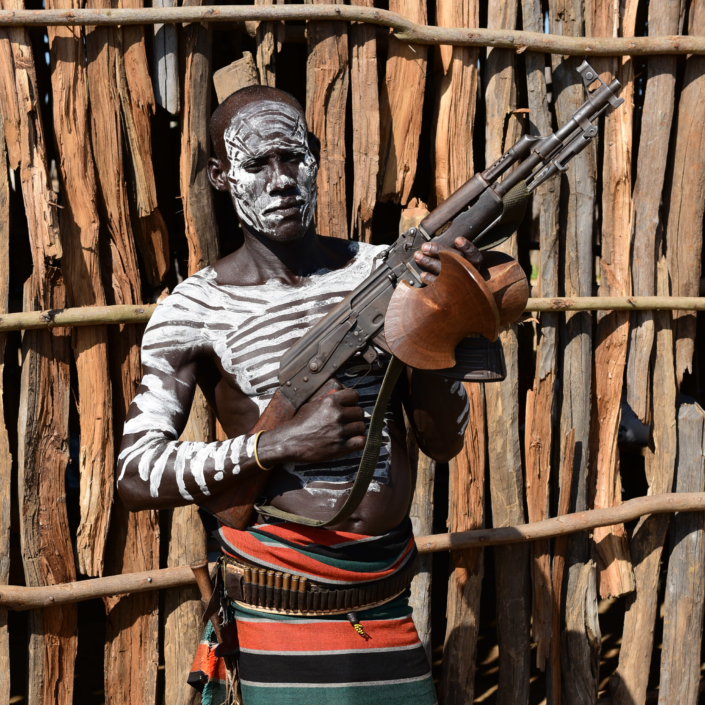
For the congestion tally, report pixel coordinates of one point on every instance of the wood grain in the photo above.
(685, 214)
(196, 191)
(183, 625)
(466, 512)
(327, 79)
(685, 585)
(629, 682)
(5, 455)
(665, 17)
(364, 90)
(165, 77)
(233, 77)
(267, 49)
(513, 578)
(401, 108)
(455, 101)
(616, 577)
(80, 225)
(8, 100)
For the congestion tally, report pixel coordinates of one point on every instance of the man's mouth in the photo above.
(286, 206)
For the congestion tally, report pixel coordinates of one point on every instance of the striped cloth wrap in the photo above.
(320, 660)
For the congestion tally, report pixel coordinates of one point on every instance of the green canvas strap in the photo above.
(368, 463)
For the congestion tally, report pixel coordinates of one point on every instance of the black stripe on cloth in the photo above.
(325, 669)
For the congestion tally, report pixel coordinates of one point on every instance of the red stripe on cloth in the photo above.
(292, 561)
(306, 535)
(325, 636)
(208, 663)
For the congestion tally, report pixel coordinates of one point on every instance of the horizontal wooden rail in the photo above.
(99, 315)
(403, 28)
(24, 598)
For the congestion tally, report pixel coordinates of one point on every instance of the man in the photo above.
(226, 328)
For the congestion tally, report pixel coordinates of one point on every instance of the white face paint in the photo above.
(265, 196)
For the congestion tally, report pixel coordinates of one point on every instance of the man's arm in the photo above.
(156, 470)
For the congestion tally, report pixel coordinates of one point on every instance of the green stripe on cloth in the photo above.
(418, 692)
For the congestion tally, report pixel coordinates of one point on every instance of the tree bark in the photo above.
(327, 78)
(665, 17)
(401, 109)
(365, 123)
(628, 683)
(267, 48)
(466, 512)
(80, 224)
(685, 585)
(687, 202)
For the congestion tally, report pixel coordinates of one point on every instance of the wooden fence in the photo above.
(105, 206)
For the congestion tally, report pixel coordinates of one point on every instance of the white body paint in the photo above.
(249, 329)
(255, 131)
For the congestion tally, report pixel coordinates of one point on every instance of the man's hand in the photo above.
(321, 430)
(428, 260)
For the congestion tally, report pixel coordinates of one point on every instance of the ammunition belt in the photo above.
(283, 593)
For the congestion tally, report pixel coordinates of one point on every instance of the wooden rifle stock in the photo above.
(233, 506)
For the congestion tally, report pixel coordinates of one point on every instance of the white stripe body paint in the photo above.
(249, 329)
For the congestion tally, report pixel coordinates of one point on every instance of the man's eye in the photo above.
(253, 167)
(294, 157)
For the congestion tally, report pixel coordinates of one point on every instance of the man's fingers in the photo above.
(351, 430)
(346, 397)
(353, 444)
(430, 264)
(349, 414)
(428, 278)
(469, 251)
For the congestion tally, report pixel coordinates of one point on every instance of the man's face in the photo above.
(272, 175)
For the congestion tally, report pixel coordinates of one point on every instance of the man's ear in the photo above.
(314, 144)
(218, 175)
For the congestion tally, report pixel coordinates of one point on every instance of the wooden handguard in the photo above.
(233, 506)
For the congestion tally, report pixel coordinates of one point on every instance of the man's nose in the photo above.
(281, 178)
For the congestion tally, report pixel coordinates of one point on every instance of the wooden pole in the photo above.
(401, 108)
(466, 512)
(327, 79)
(365, 125)
(628, 683)
(80, 224)
(405, 29)
(685, 585)
(614, 565)
(540, 400)
(17, 597)
(685, 215)
(267, 48)
(665, 17)
(165, 78)
(5, 456)
(581, 636)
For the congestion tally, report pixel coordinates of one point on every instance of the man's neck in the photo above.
(261, 259)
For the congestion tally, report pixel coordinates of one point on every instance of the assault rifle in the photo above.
(426, 327)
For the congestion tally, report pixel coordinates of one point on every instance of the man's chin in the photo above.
(286, 232)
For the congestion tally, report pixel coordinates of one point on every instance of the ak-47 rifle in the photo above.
(423, 326)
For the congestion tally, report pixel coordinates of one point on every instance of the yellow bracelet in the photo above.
(257, 435)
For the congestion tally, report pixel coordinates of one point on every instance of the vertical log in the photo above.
(196, 191)
(233, 77)
(326, 98)
(685, 585)
(267, 49)
(47, 554)
(581, 643)
(8, 100)
(502, 129)
(5, 456)
(182, 606)
(685, 215)
(559, 555)
(665, 18)
(365, 124)
(165, 80)
(137, 98)
(456, 99)
(616, 577)
(131, 651)
(80, 225)
(401, 108)
(628, 684)
(466, 512)
(540, 399)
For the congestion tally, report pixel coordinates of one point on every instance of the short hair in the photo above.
(223, 115)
